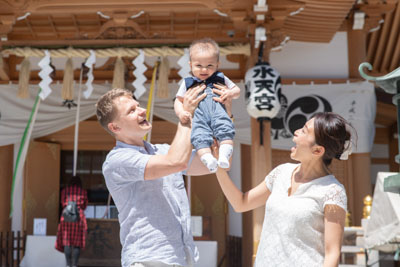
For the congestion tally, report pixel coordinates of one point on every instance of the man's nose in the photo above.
(142, 110)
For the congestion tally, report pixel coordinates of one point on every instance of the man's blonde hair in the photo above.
(205, 44)
(106, 110)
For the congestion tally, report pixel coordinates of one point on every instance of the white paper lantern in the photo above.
(263, 88)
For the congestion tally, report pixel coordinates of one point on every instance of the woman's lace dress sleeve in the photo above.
(271, 177)
(336, 195)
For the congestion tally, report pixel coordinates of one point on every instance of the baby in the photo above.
(210, 118)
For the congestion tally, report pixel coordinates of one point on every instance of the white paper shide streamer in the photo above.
(140, 68)
(44, 64)
(183, 62)
(89, 83)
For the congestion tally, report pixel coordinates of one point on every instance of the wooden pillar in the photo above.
(247, 218)
(256, 164)
(360, 162)
(261, 165)
(6, 172)
(348, 184)
(361, 165)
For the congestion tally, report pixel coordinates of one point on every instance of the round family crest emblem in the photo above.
(294, 115)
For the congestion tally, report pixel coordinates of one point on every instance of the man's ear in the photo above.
(113, 127)
(318, 150)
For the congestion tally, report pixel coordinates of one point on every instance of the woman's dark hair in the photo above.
(331, 131)
(75, 180)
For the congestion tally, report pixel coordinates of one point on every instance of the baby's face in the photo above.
(203, 63)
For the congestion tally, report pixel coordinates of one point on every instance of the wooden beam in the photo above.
(372, 43)
(171, 25)
(235, 76)
(75, 24)
(53, 27)
(382, 45)
(79, 7)
(396, 56)
(380, 161)
(196, 24)
(320, 81)
(114, 42)
(357, 49)
(28, 24)
(394, 31)
(241, 59)
(107, 75)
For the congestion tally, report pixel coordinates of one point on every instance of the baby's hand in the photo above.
(184, 117)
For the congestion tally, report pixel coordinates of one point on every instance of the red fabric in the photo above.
(72, 233)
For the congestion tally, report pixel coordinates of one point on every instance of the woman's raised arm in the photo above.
(240, 201)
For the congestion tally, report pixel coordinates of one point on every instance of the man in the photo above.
(146, 184)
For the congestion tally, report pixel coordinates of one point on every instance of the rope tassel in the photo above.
(67, 91)
(119, 74)
(162, 83)
(24, 76)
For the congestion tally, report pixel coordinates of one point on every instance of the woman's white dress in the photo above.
(293, 228)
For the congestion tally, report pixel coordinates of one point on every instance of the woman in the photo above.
(305, 206)
(71, 236)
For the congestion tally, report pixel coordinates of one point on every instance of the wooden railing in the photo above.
(12, 248)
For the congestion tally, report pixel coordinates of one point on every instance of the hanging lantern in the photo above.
(263, 88)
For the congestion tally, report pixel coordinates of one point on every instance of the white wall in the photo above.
(313, 60)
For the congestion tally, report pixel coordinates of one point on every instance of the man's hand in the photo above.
(192, 98)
